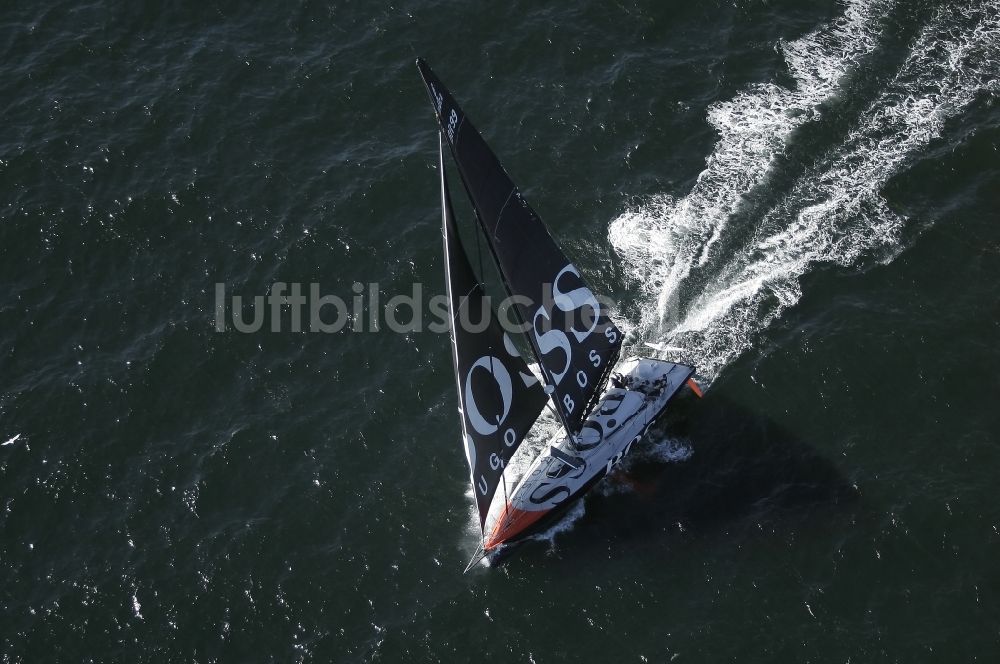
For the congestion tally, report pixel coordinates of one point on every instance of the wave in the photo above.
(832, 212)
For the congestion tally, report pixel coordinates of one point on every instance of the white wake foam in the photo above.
(833, 212)
(662, 240)
(564, 524)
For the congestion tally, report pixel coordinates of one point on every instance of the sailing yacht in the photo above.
(604, 403)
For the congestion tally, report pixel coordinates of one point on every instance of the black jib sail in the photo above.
(569, 331)
(499, 395)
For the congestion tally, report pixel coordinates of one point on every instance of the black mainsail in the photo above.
(567, 327)
(500, 398)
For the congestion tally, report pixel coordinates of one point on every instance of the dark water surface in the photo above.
(800, 198)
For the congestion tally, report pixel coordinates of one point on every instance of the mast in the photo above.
(570, 334)
(499, 397)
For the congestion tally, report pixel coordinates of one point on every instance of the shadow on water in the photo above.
(745, 468)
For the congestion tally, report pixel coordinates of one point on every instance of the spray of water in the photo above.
(832, 213)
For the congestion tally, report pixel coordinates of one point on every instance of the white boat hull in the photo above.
(566, 469)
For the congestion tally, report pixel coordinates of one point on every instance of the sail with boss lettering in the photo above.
(569, 331)
(500, 398)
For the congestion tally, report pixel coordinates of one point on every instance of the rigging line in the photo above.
(502, 209)
(463, 303)
(479, 253)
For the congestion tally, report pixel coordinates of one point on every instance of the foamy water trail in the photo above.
(664, 239)
(832, 212)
